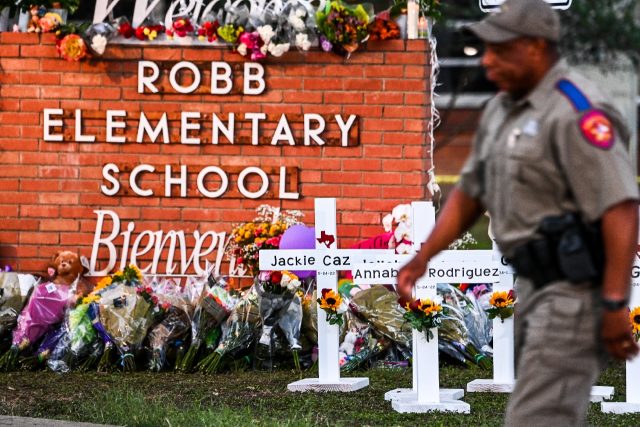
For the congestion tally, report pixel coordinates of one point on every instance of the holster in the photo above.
(567, 250)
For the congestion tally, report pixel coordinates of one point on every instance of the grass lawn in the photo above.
(250, 398)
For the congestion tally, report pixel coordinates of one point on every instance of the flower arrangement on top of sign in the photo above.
(256, 30)
(263, 232)
(343, 27)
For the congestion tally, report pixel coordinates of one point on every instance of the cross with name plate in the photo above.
(326, 260)
(632, 401)
(448, 267)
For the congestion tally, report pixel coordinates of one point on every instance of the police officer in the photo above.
(549, 163)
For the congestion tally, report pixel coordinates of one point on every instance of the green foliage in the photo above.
(254, 398)
(599, 33)
(429, 8)
(71, 5)
(500, 312)
(595, 32)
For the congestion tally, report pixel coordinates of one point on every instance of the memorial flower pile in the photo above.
(634, 320)
(256, 30)
(264, 232)
(423, 315)
(502, 303)
(332, 304)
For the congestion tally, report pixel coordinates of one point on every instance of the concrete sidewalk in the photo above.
(6, 421)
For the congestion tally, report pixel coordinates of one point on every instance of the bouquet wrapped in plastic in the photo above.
(79, 347)
(276, 291)
(465, 328)
(378, 306)
(14, 291)
(126, 312)
(45, 309)
(238, 333)
(279, 305)
(212, 308)
(169, 338)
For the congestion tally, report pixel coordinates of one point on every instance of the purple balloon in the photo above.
(299, 237)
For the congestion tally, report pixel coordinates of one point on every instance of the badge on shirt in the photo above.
(597, 129)
(531, 128)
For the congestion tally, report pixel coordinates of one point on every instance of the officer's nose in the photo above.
(487, 57)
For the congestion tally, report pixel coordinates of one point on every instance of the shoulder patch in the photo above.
(578, 99)
(597, 129)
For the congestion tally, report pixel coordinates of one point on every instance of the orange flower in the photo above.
(72, 48)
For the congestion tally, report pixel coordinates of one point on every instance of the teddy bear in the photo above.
(66, 267)
(34, 21)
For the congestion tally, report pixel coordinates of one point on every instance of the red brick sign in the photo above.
(175, 152)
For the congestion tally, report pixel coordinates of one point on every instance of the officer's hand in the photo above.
(408, 275)
(616, 334)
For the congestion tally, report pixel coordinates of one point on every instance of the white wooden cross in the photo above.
(632, 403)
(326, 260)
(449, 266)
(503, 379)
(503, 340)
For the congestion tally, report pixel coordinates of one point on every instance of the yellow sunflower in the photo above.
(106, 281)
(634, 319)
(137, 270)
(330, 300)
(428, 306)
(501, 299)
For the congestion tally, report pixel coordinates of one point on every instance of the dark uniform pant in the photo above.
(559, 355)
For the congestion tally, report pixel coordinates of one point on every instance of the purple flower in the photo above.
(7, 268)
(325, 44)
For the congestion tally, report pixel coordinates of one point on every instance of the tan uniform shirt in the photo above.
(535, 158)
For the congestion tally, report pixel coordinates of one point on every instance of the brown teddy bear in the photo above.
(66, 267)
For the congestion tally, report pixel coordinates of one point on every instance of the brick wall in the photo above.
(49, 190)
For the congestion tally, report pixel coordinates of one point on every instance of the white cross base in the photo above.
(600, 393)
(341, 384)
(415, 407)
(411, 394)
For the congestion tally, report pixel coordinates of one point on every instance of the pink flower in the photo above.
(257, 55)
(250, 39)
